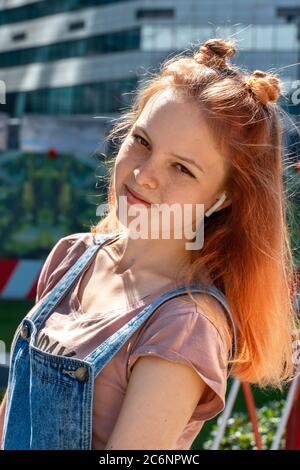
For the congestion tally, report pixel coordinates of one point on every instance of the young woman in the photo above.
(131, 340)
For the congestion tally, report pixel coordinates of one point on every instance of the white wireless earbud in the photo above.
(217, 204)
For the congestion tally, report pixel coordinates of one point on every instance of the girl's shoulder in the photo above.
(61, 257)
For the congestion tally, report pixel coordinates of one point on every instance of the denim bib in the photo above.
(50, 397)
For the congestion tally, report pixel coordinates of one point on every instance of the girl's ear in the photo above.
(218, 205)
(226, 203)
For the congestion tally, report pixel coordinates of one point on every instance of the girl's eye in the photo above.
(186, 171)
(136, 137)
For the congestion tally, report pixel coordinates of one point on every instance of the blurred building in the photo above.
(83, 57)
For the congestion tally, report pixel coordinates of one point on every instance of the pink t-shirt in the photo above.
(178, 331)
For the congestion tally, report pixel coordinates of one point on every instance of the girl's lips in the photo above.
(133, 199)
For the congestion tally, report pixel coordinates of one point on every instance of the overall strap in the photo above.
(45, 307)
(108, 348)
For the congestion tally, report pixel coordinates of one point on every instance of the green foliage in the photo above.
(239, 435)
(44, 199)
(291, 181)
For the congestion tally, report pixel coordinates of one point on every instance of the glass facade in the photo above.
(83, 47)
(46, 8)
(271, 37)
(164, 30)
(92, 98)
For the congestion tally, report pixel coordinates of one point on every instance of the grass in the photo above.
(261, 397)
(12, 313)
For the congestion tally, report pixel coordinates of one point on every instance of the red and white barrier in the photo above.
(18, 278)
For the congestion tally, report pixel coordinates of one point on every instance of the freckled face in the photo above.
(153, 158)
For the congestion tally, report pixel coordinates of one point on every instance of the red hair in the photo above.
(246, 248)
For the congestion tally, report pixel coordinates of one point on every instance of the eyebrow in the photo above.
(186, 159)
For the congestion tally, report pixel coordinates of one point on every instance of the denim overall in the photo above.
(50, 397)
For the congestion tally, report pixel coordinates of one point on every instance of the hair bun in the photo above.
(266, 87)
(213, 53)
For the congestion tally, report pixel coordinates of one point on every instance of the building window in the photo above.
(83, 47)
(91, 98)
(275, 37)
(45, 8)
(19, 36)
(154, 13)
(75, 25)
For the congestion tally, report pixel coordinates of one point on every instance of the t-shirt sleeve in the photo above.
(65, 252)
(182, 333)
